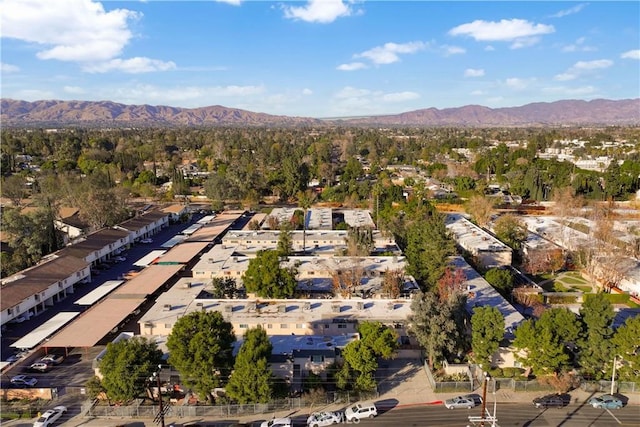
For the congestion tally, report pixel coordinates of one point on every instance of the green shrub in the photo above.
(512, 372)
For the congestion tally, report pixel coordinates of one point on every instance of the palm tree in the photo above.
(305, 200)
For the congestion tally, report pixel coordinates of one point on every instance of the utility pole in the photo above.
(613, 375)
(160, 417)
(484, 398)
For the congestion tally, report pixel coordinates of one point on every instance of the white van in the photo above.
(360, 411)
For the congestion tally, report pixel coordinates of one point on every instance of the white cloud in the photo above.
(570, 11)
(474, 72)
(578, 46)
(563, 77)
(489, 48)
(321, 11)
(185, 95)
(631, 54)
(453, 50)
(68, 30)
(75, 90)
(581, 67)
(388, 53)
(8, 68)
(477, 93)
(352, 66)
(592, 65)
(520, 32)
(231, 2)
(563, 90)
(517, 83)
(132, 65)
(350, 99)
(400, 96)
(307, 91)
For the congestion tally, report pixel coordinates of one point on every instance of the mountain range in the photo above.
(54, 113)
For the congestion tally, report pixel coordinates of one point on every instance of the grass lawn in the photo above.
(585, 289)
(572, 280)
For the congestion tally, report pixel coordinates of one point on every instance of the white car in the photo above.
(360, 411)
(277, 422)
(324, 418)
(459, 402)
(147, 240)
(50, 416)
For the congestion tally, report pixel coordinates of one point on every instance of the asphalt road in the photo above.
(511, 415)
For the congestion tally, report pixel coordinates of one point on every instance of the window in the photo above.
(243, 326)
(284, 326)
(299, 326)
(317, 359)
(326, 326)
(37, 297)
(78, 274)
(269, 326)
(342, 326)
(168, 326)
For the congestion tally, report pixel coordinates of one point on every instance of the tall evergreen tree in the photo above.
(252, 380)
(595, 346)
(487, 330)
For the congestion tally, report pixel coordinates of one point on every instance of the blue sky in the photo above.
(320, 58)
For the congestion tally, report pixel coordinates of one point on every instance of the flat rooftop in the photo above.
(470, 236)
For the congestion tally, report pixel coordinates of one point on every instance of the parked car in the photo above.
(147, 240)
(552, 401)
(324, 418)
(120, 258)
(49, 417)
(56, 359)
(18, 356)
(605, 401)
(23, 380)
(477, 399)
(41, 366)
(22, 318)
(277, 422)
(360, 411)
(459, 402)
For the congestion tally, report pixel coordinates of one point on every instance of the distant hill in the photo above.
(107, 113)
(110, 114)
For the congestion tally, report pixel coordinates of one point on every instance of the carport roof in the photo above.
(94, 324)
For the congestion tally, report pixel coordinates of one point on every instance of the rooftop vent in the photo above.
(187, 285)
(166, 307)
(360, 305)
(335, 308)
(228, 309)
(282, 308)
(307, 306)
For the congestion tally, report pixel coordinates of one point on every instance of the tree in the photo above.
(433, 325)
(359, 241)
(543, 341)
(251, 379)
(501, 279)
(285, 242)
(127, 366)
(224, 288)
(626, 345)
(451, 283)
(487, 330)
(480, 208)
(382, 340)
(511, 230)
(360, 357)
(392, 283)
(200, 347)
(427, 250)
(305, 200)
(14, 188)
(267, 279)
(595, 346)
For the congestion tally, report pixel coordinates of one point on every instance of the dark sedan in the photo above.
(552, 401)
